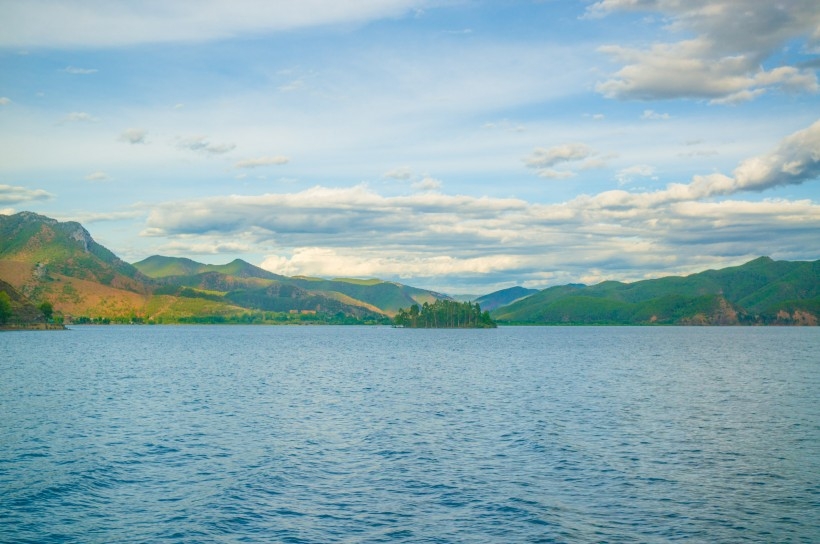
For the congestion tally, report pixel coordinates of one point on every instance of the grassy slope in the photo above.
(754, 292)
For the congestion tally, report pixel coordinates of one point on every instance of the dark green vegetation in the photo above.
(59, 268)
(760, 292)
(445, 314)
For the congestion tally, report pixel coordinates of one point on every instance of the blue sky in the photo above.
(453, 145)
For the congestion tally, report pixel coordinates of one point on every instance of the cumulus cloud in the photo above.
(202, 144)
(133, 135)
(49, 23)
(723, 61)
(262, 161)
(10, 194)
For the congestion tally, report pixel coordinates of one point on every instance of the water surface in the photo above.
(373, 434)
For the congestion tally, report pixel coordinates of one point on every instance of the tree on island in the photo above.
(444, 314)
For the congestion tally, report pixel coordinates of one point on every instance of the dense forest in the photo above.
(444, 314)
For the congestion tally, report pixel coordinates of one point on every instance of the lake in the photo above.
(374, 434)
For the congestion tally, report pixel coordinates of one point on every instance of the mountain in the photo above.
(45, 260)
(158, 266)
(373, 294)
(504, 297)
(762, 291)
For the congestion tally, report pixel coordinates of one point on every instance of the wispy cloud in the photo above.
(402, 173)
(4, 101)
(10, 194)
(55, 23)
(427, 184)
(275, 160)
(652, 115)
(202, 144)
(97, 176)
(543, 160)
(133, 135)
(78, 117)
(79, 71)
(626, 175)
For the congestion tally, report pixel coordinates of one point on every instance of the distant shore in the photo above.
(34, 327)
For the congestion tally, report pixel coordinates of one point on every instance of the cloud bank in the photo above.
(322, 230)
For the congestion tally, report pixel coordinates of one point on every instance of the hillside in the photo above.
(45, 260)
(504, 297)
(257, 284)
(17, 311)
(761, 291)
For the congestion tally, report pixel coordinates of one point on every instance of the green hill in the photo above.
(376, 295)
(504, 297)
(761, 291)
(66, 249)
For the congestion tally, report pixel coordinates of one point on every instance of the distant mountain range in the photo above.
(47, 260)
(44, 260)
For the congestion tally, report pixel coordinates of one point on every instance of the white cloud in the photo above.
(10, 194)
(79, 71)
(626, 175)
(97, 176)
(56, 23)
(78, 117)
(427, 184)
(262, 161)
(723, 61)
(549, 173)
(133, 135)
(654, 116)
(356, 231)
(201, 143)
(402, 173)
(4, 101)
(545, 158)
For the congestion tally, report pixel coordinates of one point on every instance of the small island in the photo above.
(444, 314)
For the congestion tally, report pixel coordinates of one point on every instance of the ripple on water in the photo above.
(257, 434)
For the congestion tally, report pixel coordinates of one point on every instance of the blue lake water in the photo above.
(373, 434)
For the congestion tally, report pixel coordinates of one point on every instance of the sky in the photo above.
(461, 146)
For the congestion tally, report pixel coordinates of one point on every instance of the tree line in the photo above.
(444, 314)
